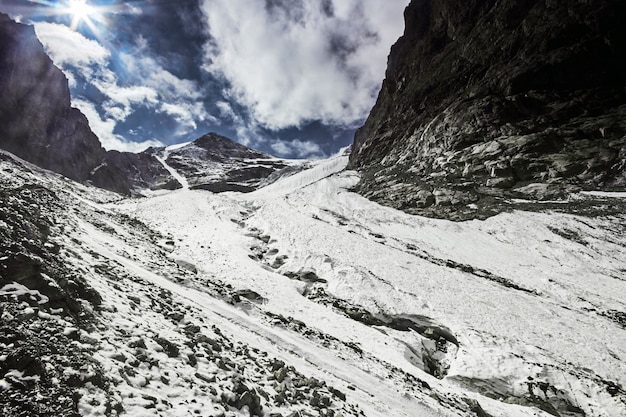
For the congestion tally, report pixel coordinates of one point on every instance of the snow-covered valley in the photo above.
(304, 298)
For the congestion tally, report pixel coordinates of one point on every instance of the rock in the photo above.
(135, 299)
(246, 397)
(277, 364)
(305, 276)
(170, 348)
(337, 393)
(483, 98)
(249, 295)
(186, 265)
(193, 361)
(37, 121)
(130, 173)
(192, 329)
(205, 378)
(119, 356)
(280, 374)
(138, 343)
(176, 316)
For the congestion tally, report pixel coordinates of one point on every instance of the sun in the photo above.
(81, 12)
(79, 9)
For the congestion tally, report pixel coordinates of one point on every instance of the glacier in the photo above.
(304, 298)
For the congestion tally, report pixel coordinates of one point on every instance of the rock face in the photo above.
(218, 164)
(38, 124)
(488, 100)
(129, 173)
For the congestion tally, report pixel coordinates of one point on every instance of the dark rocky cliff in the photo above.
(38, 124)
(488, 100)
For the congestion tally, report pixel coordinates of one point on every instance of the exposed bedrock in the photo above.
(488, 100)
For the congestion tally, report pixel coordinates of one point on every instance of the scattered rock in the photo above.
(170, 348)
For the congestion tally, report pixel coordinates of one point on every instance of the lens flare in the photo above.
(80, 10)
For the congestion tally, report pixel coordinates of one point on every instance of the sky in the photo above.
(293, 78)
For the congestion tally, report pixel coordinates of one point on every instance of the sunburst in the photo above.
(89, 13)
(80, 11)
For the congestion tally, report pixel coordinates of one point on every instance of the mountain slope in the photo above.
(484, 101)
(303, 296)
(106, 323)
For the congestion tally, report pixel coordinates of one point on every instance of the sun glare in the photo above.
(81, 12)
(79, 9)
(90, 17)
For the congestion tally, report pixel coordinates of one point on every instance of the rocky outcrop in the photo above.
(489, 100)
(130, 173)
(37, 122)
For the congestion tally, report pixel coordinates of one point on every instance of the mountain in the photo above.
(216, 163)
(299, 297)
(38, 124)
(487, 101)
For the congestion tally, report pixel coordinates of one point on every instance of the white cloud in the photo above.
(289, 62)
(152, 74)
(297, 148)
(69, 47)
(187, 115)
(148, 85)
(123, 100)
(104, 129)
(227, 111)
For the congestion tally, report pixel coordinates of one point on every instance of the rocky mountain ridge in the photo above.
(216, 163)
(487, 101)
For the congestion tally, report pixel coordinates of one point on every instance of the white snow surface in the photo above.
(532, 300)
(382, 259)
(182, 180)
(610, 194)
(177, 146)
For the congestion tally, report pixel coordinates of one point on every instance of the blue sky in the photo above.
(293, 78)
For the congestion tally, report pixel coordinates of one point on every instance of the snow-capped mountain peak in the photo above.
(216, 163)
